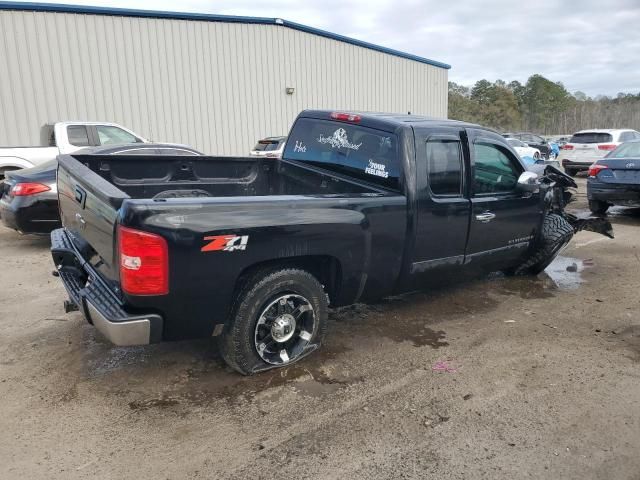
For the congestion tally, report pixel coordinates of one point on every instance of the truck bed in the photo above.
(167, 177)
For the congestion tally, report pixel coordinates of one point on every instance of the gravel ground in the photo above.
(497, 378)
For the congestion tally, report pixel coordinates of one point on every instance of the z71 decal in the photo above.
(226, 243)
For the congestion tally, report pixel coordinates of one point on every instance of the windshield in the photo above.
(626, 150)
(365, 153)
(268, 145)
(591, 137)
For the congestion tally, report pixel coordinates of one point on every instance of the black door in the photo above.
(504, 220)
(442, 218)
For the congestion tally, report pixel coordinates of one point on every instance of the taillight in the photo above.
(346, 117)
(144, 262)
(25, 189)
(566, 146)
(607, 146)
(595, 169)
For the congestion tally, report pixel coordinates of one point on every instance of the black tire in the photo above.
(556, 233)
(238, 342)
(598, 207)
(570, 172)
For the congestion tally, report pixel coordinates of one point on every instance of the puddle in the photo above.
(566, 272)
(412, 317)
(528, 288)
(391, 320)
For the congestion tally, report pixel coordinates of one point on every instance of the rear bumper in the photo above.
(575, 165)
(97, 302)
(616, 194)
(30, 214)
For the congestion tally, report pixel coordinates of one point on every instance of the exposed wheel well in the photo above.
(325, 268)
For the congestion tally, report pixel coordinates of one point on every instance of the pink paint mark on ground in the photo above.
(443, 366)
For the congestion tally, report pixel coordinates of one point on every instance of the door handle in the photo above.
(81, 221)
(485, 217)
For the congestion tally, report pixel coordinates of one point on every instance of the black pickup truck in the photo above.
(254, 250)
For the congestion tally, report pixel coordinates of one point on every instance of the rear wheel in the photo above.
(556, 234)
(597, 206)
(280, 316)
(571, 172)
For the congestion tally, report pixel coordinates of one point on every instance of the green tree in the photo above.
(542, 99)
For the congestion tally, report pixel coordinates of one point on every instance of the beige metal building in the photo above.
(217, 83)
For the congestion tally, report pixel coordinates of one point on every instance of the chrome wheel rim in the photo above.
(284, 328)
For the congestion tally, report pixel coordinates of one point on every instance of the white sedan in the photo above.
(523, 149)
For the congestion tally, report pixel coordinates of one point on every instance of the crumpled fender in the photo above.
(590, 223)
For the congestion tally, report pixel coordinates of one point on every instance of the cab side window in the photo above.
(444, 164)
(495, 169)
(78, 136)
(627, 136)
(110, 135)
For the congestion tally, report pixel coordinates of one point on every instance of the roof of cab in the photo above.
(397, 119)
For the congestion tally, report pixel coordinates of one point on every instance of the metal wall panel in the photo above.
(215, 86)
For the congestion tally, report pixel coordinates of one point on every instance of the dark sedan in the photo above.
(615, 179)
(29, 197)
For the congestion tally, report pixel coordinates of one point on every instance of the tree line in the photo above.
(540, 106)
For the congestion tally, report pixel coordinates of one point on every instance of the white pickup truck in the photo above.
(65, 138)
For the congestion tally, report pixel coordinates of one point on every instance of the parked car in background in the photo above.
(615, 179)
(524, 150)
(533, 140)
(560, 140)
(271, 147)
(65, 137)
(587, 146)
(29, 197)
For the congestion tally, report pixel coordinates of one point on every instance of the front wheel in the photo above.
(556, 234)
(280, 316)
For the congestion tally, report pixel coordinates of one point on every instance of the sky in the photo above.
(588, 45)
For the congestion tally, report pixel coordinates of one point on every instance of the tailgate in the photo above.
(89, 210)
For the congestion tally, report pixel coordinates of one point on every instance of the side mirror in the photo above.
(528, 182)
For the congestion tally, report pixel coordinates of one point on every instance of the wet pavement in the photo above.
(499, 377)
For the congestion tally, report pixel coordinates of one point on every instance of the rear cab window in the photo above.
(591, 137)
(364, 153)
(444, 166)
